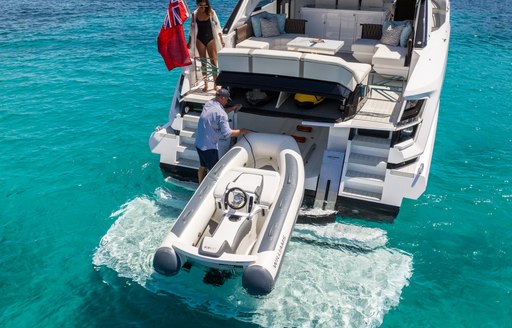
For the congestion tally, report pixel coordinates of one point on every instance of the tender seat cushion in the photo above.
(270, 184)
(221, 186)
(248, 182)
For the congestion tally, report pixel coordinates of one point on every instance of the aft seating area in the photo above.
(270, 64)
(386, 59)
(245, 38)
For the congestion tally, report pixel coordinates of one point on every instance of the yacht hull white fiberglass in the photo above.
(367, 143)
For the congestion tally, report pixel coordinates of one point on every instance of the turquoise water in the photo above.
(83, 204)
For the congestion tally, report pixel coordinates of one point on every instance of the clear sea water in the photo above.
(83, 204)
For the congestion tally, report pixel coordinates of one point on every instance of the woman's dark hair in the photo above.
(208, 9)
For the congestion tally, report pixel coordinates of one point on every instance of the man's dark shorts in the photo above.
(208, 158)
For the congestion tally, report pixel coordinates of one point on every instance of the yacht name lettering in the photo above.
(279, 251)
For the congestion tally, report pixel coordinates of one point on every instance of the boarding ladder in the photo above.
(364, 171)
(186, 154)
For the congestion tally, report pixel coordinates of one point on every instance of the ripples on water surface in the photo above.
(337, 273)
(83, 204)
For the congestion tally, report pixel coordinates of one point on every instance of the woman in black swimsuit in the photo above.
(207, 32)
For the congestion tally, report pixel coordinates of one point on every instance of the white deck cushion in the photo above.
(363, 49)
(389, 56)
(365, 45)
(277, 62)
(389, 60)
(288, 63)
(253, 44)
(335, 69)
(234, 59)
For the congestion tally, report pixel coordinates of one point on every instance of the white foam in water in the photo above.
(128, 244)
(164, 197)
(342, 234)
(191, 186)
(315, 212)
(320, 284)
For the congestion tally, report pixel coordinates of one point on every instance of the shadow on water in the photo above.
(333, 274)
(123, 303)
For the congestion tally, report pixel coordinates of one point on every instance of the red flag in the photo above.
(172, 45)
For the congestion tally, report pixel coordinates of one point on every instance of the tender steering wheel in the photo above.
(235, 198)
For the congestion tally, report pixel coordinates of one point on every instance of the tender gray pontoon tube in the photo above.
(166, 261)
(257, 280)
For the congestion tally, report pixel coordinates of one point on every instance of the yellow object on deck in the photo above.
(307, 101)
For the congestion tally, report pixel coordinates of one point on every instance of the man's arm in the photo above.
(233, 108)
(225, 129)
(236, 133)
(223, 122)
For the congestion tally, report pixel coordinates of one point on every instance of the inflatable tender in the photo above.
(242, 215)
(307, 101)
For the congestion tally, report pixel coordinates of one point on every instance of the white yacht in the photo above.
(356, 83)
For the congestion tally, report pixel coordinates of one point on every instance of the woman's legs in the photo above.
(201, 49)
(212, 53)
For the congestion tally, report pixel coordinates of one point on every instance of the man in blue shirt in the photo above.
(214, 125)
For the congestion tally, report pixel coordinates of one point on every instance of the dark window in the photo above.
(411, 111)
(404, 134)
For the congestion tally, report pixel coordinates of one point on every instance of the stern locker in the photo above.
(365, 168)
